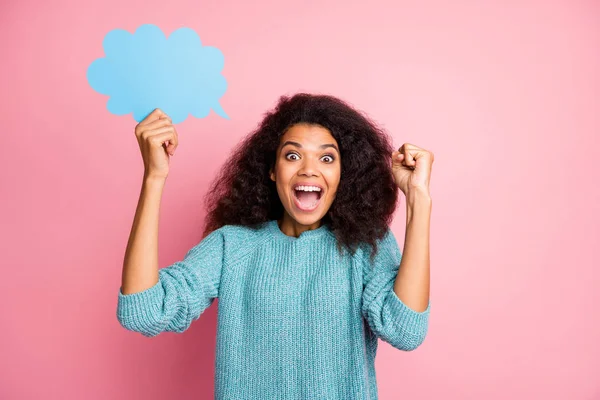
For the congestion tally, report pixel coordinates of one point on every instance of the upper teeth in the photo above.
(309, 188)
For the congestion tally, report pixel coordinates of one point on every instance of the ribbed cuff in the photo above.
(402, 315)
(141, 304)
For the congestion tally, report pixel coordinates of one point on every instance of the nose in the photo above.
(309, 167)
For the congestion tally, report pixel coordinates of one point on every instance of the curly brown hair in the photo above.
(367, 196)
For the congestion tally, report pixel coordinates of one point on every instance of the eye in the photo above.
(330, 156)
(296, 155)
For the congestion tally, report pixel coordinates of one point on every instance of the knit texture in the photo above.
(296, 320)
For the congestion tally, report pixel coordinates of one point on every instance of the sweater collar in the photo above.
(277, 234)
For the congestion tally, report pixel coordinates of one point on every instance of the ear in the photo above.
(271, 174)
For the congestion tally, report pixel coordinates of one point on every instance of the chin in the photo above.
(307, 218)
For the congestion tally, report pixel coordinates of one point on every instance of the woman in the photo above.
(298, 250)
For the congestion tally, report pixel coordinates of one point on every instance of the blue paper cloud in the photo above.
(146, 70)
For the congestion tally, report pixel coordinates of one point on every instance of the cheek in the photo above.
(333, 181)
(284, 191)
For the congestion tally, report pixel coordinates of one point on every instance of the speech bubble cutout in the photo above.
(146, 70)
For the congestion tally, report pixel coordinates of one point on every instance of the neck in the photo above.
(291, 227)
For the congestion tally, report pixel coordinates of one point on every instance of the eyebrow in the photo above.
(323, 146)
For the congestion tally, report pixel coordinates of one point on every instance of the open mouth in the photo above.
(307, 201)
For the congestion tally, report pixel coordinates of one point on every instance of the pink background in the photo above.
(506, 95)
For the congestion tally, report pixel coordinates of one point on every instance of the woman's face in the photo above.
(308, 155)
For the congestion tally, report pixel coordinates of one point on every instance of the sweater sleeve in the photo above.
(387, 316)
(184, 290)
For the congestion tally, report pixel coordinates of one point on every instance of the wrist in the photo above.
(418, 205)
(418, 195)
(151, 179)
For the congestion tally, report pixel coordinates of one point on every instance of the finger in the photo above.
(153, 116)
(409, 146)
(140, 130)
(143, 131)
(402, 160)
(173, 140)
(161, 139)
(165, 116)
(150, 135)
(173, 143)
(410, 159)
(397, 156)
(157, 124)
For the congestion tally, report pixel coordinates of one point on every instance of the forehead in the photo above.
(308, 135)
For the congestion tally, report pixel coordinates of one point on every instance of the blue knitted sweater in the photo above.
(296, 320)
